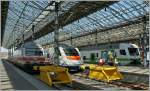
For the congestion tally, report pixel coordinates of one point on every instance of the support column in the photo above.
(96, 42)
(96, 46)
(13, 43)
(71, 41)
(145, 42)
(23, 51)
(33, 32)
(56, 35)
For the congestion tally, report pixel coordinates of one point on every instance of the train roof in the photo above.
(65, 46)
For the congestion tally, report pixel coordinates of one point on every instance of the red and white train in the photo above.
(27, 56)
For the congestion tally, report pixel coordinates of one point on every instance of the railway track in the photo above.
(82, 83)
(63, 87)
(121, 85)
(133, 86)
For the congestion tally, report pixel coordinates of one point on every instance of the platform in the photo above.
(4, 78)
(12, 78)
(135, 74)
(134, 69)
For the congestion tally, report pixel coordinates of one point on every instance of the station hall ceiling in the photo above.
(118, 14)
(76, 18)
(4, 11)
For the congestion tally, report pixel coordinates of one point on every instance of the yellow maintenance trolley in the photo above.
(104, 73)
(53, 74)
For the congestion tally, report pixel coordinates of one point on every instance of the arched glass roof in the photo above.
(20, 16)
(23, 14)
(116, 14)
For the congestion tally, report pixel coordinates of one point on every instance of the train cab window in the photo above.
(133, 51)
(40, 53)
(36, 53)
(33, 51)
(122, 52)
(58, 51)
(71, 52)
(30, 53)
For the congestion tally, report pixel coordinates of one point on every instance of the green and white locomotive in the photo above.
(125, 53)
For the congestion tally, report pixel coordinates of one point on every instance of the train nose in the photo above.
(76, 58)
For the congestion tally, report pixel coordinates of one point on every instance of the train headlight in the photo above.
(69, 63)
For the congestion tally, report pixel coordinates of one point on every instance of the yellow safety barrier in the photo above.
(53, 74)
(105, 73)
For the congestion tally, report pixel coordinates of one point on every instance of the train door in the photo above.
(104, 55)
(92, 57)
(85, 56)
(134, 53)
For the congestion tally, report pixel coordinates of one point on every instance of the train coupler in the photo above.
(53, 74)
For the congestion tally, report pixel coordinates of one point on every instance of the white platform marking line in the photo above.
(4, 79)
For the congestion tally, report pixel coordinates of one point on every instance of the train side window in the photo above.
(84, 57)
(122, 52)
(97, 54)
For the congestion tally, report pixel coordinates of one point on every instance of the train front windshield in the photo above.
(34, 52)
(71, 52)
(133, 51)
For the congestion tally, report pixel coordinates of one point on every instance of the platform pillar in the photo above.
(56, 34)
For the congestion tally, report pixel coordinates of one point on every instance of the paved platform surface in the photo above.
(12, 78)
(134, 69)
(5, 83)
